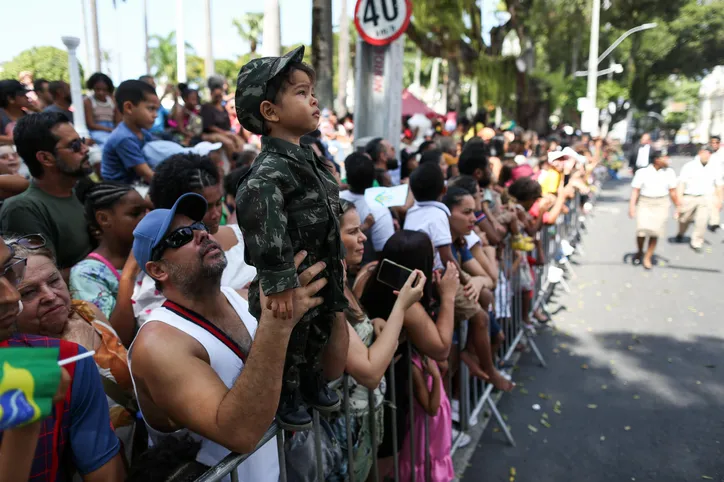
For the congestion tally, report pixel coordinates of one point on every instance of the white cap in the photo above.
(204, 148)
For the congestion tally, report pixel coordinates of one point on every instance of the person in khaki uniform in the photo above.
(702, 187)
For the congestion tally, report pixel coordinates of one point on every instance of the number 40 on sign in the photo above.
(380, 22)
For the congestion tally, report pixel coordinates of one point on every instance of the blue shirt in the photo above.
(122, 152)
(461, 253)
(92, 440)
(87, 440)
(159, 125)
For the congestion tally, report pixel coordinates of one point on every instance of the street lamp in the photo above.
(589, 121)
(640, 28)
(613, 69)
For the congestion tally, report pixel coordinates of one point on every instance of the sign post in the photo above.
(378, 69)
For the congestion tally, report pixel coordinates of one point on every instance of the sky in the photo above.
(121, 30)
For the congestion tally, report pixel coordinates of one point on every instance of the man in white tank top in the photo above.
(192, 364)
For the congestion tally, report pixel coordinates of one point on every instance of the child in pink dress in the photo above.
(430, 401)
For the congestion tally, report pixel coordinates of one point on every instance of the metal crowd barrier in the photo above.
(472, 394)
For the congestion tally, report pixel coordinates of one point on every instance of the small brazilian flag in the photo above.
(29, 379)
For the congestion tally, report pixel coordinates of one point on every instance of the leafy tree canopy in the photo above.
(44, 62)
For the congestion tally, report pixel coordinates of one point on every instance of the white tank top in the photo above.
(263, 465)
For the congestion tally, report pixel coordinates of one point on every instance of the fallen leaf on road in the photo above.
(608, 308)
(627, 428)
(524, 391)
(604, 387)
(512, 472)
(556, 350)
(544, 423)
(618, 343)
(532, 429)
(592, 405)
(706, 477)
(543, 396)
(602, 438)
(698, 382)
(669, 360)
(584, 366)
(636, 397)
(545, 415)
(630, 347)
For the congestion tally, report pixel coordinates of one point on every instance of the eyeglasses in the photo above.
(15, 272)
(29, 241)
(76, 145)
(176, 239)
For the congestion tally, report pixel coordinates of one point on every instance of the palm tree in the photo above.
(343, 58)
(322, 51)
(94, 32)
(162, 56)
(250, 28)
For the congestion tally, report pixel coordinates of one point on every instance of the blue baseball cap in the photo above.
(153, 227)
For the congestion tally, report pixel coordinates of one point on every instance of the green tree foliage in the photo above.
(44, 62)
(162, 51)
(227, 68)
(250, 28)
(687, 42)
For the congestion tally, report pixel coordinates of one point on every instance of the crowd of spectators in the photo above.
(112, 246)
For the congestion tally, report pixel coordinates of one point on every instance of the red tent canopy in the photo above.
(412, 105)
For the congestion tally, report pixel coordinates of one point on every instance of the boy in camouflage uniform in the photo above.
(288, 202)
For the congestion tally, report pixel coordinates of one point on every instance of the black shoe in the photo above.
(714, 228)
(316, 393)
(679, 238)
(292, 414)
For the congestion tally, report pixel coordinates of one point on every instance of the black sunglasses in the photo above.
(76, 145)
(29, 241)
(177, 238)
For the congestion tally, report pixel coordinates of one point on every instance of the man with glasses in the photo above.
(77, 435)
(57, 158)
(192, 363)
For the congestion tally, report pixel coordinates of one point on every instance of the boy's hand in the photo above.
(281, 304)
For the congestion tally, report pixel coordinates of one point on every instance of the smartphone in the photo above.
(392, 274)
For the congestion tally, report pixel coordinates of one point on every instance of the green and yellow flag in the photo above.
(29, 379)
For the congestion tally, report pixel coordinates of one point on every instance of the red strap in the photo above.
(199, 320)
(67, 349)
(108, 264)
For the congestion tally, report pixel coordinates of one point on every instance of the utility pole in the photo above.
(589, 122)
(180, 43)
(271, 44)
(209, 60)
(94, 32)
(147, 53)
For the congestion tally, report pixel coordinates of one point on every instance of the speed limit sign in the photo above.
(380, 22)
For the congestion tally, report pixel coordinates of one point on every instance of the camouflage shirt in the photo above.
(288, 202)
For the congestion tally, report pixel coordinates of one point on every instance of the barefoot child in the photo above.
(432, 402)
(288, 202)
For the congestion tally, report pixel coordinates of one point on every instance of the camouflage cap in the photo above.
(251, 87)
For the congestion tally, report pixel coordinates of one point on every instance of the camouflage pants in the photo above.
(305, 349)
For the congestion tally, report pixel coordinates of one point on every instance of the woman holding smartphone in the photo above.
(367, 360)
(431, 337)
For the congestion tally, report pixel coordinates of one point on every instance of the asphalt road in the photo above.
(636, 364)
